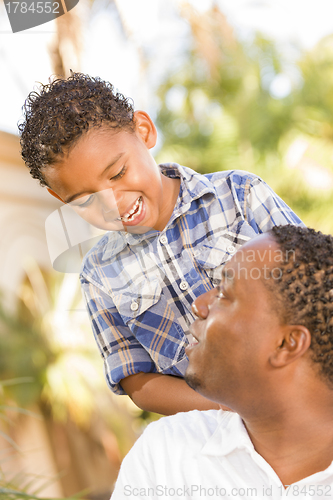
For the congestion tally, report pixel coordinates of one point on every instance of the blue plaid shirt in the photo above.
(139, 288)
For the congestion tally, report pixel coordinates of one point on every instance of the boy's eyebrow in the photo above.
(113, 161)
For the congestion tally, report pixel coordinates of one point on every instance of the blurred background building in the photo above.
(243, 84)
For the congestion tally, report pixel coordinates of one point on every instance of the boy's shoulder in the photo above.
(198, 183)
(238, 178)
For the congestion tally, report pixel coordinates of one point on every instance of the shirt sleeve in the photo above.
(123, 355)
(265, 209)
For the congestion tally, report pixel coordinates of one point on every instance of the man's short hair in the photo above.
(57, 115)
(306, 288)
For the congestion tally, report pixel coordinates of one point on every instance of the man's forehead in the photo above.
(254, 260)
(261, 249)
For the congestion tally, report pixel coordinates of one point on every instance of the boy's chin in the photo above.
(119, 226)
(137, 229)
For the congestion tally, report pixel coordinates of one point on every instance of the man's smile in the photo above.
(193, 341)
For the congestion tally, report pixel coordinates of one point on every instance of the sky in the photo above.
(152, 24)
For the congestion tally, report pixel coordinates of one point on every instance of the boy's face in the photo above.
(113, 182)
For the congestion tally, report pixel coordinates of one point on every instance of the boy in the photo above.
(171, 231)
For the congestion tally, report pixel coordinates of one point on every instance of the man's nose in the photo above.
(200, 306)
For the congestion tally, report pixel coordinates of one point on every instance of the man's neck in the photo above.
(296, 441)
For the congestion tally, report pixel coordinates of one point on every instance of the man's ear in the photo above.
(54, 194)
(295, 342)
(145, 127)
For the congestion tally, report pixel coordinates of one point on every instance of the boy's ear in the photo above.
(54, 194)
(145, 127)
(293, 345)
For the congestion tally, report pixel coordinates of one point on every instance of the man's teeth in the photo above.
(191, 339)
(136, 209)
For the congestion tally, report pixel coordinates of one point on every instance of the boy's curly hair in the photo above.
(306, 288)
(58, 114)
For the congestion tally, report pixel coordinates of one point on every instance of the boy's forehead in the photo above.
(98, 134)
(101, 147)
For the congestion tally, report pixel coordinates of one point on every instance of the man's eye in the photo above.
(120, 175)
(220, 292)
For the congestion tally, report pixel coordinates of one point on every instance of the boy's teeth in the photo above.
(128, 217)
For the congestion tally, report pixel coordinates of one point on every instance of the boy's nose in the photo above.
(107, 200)
(200, 306)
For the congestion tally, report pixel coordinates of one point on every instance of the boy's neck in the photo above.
(170, 194)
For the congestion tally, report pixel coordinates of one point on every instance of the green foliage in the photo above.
(46, 340)
(23, 352)
(235, 111)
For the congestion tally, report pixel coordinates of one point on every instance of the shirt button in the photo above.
(183, 285)
(231, 249)
(163, 239)
(134, 306)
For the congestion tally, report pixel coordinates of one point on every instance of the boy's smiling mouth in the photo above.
(133, 213)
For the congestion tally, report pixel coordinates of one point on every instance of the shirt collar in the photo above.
(229, 435)
(193, 185)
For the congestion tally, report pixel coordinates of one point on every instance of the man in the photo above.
(264, 348)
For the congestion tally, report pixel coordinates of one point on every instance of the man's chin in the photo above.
(193, 381)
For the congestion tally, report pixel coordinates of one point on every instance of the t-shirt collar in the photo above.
(229, 435)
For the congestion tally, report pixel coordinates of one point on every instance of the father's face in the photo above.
(237, 328)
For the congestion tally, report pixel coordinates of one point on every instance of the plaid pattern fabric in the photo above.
(139, 288)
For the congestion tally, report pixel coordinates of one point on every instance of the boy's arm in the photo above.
(121, 352)
(164, 394)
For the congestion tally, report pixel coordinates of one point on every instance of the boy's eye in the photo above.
(85, 201)
(120, 175)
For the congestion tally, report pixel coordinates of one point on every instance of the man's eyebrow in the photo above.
(227, 275)
(113, 162)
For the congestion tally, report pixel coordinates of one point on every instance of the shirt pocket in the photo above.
(135, 300)
(213, 255)
(152, 322)
(216, 251)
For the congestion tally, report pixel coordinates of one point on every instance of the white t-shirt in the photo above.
(202, 455)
